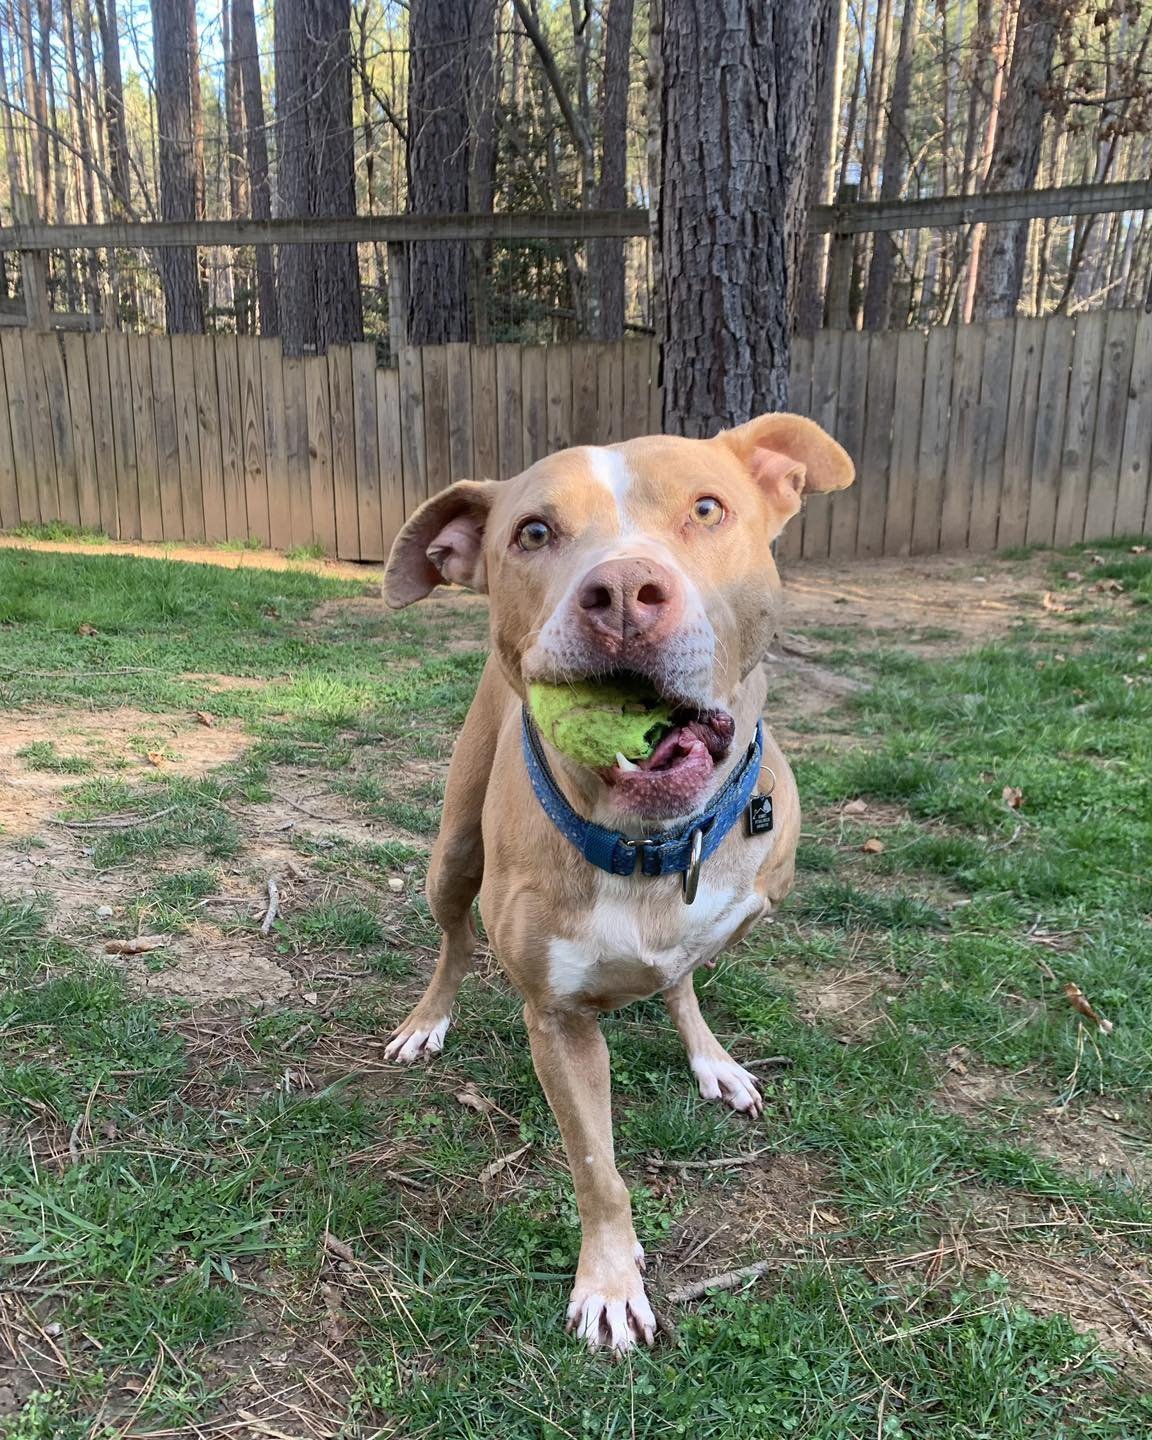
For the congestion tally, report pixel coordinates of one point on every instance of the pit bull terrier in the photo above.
(646, 560)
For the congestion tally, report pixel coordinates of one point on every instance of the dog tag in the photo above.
(759, 815)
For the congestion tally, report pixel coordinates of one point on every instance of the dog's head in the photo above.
(651, 558)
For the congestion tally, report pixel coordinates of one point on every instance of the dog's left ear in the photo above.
(442, 542)
(789, 456)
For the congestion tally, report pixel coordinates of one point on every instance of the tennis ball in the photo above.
(591, 723)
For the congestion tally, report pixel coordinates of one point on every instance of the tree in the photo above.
(118, 163)
(606, 257)
(1016, 154)
(733, 200)
(810, 306)
(247, 59)
(175, 51)
(438, 166)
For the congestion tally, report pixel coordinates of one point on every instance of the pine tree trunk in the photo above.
(877, 91)
(483, 83)
(438, 167)
(247, 60)
(810, 306)
(733, 201)
(174, 57)
(1016, 155)
(606, 257)
(34, 93)
(119, 172)
(237, 199)
(878, 298)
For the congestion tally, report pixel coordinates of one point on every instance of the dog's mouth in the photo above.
(696, 741)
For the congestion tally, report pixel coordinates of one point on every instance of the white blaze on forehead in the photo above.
(610, 469)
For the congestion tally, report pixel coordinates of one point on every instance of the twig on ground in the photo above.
(273, 907)
(780, 1062)
(1142, 1325)
(729, 1280)
(296, 805)
(115, 822)
(655, 1163)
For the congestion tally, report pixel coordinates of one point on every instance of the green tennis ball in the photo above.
(591, 723)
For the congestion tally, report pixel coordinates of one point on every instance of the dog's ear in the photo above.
(443, 542)
(789, 456)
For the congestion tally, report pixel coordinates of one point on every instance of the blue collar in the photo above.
(674, 852)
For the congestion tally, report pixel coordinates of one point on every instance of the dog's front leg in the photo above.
(608, 1305)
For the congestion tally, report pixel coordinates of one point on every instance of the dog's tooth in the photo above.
(623, 763)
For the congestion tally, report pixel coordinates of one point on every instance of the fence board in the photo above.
(637, 372)
(963, 438)
(83, 436)
(485, 419)
(391, 456)
(275, 443)
(296, 450)
(935, 425)
(60, 424)
(103, 442)
(343, 451)
(231, 410)
(124, 438)
(876, 450)
(1050, 417)
(1020, 432)
(208, 443)
(1134, 496)
(534, 391)
(790, 542)
(509, 411)
(321, 483)
(610, 394)
(823, 408)
(460, 457)
(367, 456)
(252, 431)
(20, 420)
(988, 474)
(144, 425)
(845, 506)
(412, 427)
(1080, 428)
(188, 435)
(911, 351)
(436, 419)
(558, 362)
(167, 441)
(585, 398)
(1111, 408)
(9, 490)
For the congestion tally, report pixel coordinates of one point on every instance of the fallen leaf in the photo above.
(501, 1163)
(395, 884)
(1080, 1003)
(873, 847)
(854, 807)
(140, 945)
(1138, 550)
(1073, 575)
(1012, 796)
(310, 997)
(471, 1099)
(1099, 560)
(156, 757)
(1109, 585)
(827, 1216)
(1054, 604)
(340, 1248)
(86, 629)
(205, 719)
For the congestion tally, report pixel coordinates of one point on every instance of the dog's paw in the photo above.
(416, 1040)
(725, 1080)
(612, 1310)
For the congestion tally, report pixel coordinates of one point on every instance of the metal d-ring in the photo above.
(692, 874)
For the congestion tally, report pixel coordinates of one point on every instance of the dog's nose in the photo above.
(622, 600)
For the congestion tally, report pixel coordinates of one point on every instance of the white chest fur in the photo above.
(640, 937)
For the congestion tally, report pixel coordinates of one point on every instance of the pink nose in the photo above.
(625, 600)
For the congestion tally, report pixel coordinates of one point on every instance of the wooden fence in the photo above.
(972, 437)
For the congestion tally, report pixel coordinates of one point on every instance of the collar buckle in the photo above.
(691, 881)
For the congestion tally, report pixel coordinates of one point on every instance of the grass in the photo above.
(168, 1177)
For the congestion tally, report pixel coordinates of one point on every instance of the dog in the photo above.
(651, 558)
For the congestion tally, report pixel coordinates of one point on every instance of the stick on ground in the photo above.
(273, 907)
(728, 1281)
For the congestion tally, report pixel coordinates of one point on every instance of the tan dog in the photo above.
(651, 557)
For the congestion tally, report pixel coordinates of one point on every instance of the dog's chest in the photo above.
(640, 937)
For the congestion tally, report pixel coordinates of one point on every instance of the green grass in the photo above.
(43, 755)
(167, 1178)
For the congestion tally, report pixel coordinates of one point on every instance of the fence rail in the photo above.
(971, 437)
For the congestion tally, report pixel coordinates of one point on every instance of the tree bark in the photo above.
(234, 144)
(483, 85)
(733, 201)
(1016, 155)
(878, 297)
(810, 306)
(34, 91)
(296, 267)
(438, 166)
(119, 171)
(247, 57)
(179, 273)
(877, 92)
(606, 257)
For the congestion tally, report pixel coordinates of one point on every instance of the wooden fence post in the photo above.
(397, 297)
(33, 265)
(840, 268)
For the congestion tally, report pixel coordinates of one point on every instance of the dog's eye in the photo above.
(708, 511)
(533, 535)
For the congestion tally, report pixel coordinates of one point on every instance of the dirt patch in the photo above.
(200, 555)
(114, 742)
(850, 1000)
(208, 968)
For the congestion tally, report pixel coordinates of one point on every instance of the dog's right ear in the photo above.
(442, 543)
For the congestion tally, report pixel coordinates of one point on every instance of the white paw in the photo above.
(727, 1081)
(414, 1042)
(613, 1314)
